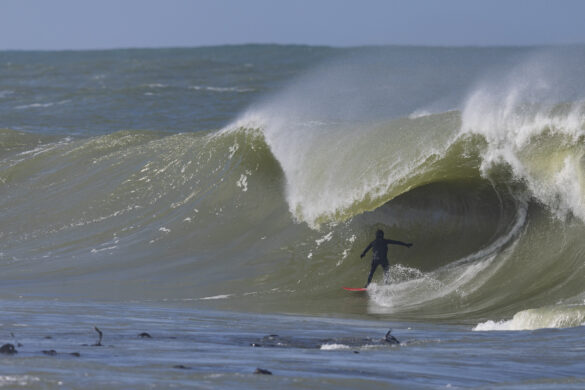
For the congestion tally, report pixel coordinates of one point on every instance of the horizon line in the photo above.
(411, 45)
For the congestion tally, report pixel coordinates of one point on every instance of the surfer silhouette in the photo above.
(380, 253)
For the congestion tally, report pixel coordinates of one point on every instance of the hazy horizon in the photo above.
(74, 25)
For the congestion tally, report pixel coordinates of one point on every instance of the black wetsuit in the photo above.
(380, 254)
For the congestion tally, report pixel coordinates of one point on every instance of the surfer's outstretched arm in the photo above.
(366, 250)
(408, 245)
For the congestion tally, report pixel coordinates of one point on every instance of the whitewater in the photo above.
(220, 197)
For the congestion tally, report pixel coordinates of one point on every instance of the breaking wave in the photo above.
(273, 210)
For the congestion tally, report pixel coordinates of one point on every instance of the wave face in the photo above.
(479, 163)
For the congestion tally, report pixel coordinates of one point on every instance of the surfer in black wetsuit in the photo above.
(380, 253)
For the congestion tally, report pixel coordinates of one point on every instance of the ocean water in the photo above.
(218, 199)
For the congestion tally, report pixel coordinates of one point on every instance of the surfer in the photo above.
(380, 253)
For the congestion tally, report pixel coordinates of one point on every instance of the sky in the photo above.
(85, 24)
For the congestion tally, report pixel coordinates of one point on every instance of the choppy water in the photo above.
(222, 350)
(248, 179)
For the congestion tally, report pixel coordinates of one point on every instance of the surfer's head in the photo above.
(379, 234)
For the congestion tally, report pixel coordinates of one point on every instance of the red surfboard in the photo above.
(355, 289)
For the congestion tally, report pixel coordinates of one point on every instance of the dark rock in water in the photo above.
(8, 349)
(144, 335)
(181, 367)
(76, 354)
(261, 371)
(276, 341)
(391, 339)
(50, 352)
(356, 351)
(48, 337)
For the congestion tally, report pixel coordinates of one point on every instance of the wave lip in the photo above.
(334, 171)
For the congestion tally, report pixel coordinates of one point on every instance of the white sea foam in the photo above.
(41, 105)
(325, 238)
(243, 182)
(220, 89)
(334, 347)
(109, 248)
(546, 317)
(156, 85)
(222, 296)
(18, 380)
(34, 105)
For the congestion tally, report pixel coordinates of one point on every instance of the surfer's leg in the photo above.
(372, 270)
(386, 272)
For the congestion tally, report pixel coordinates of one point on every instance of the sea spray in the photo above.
(532, 118)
